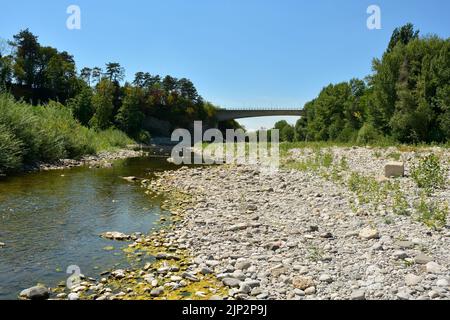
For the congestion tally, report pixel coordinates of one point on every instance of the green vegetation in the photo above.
(405, 100)
(98, 98)
(29, 134)
(429, 174)
(431, 213)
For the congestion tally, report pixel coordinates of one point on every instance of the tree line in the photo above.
(97, 96)
(406, 99)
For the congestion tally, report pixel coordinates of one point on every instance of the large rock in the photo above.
(35, 293)
(412, 280)
(358, 295)
(130, 179)
(422, 259)
(231, 282)
(115, 235)
(369, 233)
(433, 267)
(394, 169)
(302, 283)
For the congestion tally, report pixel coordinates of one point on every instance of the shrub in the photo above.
(433, 214)
(29, 134)
(10, 151)
(428, 174)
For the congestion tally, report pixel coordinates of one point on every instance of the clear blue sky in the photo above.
(237, 52)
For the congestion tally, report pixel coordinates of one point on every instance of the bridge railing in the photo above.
(261, 109)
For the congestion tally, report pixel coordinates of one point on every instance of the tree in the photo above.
(6, 64)
(187, 89)
(26, 57)
(280, 125)
(82, 107)
(130, 116)
(403, 35)
(96, 74)
(169, 84)
(86, 74)
(102, 103)
(115, 72)
(287, 133)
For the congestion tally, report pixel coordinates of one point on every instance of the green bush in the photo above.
(29, 134)
(10, 151)
(21, 121)
(428, 174)
(431, 213)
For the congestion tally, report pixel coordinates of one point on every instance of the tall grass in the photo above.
(29, 134)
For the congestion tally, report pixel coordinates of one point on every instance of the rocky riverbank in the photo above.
(303, 234)
(103, 159)
(328, 225)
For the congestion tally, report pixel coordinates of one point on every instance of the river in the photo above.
(52, 220)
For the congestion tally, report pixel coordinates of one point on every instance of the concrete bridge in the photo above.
(231, 114)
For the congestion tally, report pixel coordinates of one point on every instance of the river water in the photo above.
(52, 220)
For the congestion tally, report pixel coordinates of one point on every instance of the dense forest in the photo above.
(406, 99)
(97, 96)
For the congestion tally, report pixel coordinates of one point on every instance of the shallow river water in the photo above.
(52, 220)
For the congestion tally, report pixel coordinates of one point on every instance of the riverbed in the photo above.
(52, 220)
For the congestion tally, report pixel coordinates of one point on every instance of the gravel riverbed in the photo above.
(294, 234)
(239, 233)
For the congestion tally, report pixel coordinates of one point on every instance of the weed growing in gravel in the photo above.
(314, 163)
(431, 213)
(428, 174)
(367, 189)
(394, 156)
(400, 205)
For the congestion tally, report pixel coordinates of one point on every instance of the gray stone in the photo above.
(422, 259)
(310, 291)
(118, 274)
(115, 235)
(73, 296)
(433, 267)
(369, 233)
(358, 295)
(206, 270)
(231, 282)
(157, 292)
(242, 265)
(404, 295)
(442, 283)
(394, 169)
(326, 278)
(412, 280)
(404, 244)
(35, 293)
(189, 276)
(400, 255)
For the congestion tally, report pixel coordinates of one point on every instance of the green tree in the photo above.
(81, 106)
(114, 72)
(403, 35)
(287, 133)
(102, 102)
(130, 116)
(26, 58)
